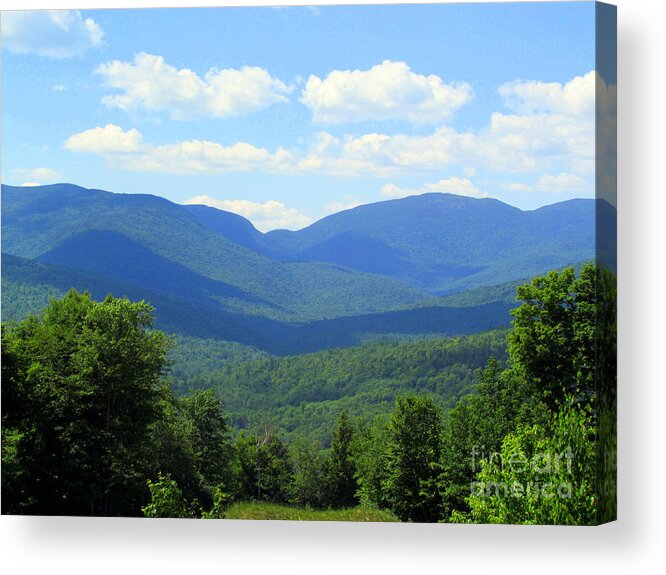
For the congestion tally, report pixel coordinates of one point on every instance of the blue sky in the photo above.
(285, 115)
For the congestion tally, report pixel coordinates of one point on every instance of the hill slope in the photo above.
(27, 285)
(304, 394)
(445, 243)
(156, 244)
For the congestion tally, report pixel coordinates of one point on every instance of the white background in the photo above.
(634, 544)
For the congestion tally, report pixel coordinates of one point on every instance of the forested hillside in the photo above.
(27, 285)
(154, 244)
(437, 242)
(303, 395)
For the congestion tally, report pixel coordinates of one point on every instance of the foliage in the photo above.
(341, 469)
(304, 395)
(91, 427)
(224, 337)
(553, 337)
(562, 355)
(81, 389)
(210, 437)
(478, 423)
(219, 508)
(369, 450)
(542, 475)
(166, 500)
(414, 449)
(266, 469)
(310, 485)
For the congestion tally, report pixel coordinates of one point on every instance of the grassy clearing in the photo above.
(258, 510)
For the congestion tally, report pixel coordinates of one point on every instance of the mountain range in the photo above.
(374, 271)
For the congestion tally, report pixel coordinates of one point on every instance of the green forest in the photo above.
(103, 414)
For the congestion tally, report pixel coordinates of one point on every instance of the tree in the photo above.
(370, 449)
(553, 339)
(265, 467)
(210, 439)
(166, 500)
(543, 475)
(342, 483)
(414, 449)
(85, 387)
(477, 426)
(308, 486)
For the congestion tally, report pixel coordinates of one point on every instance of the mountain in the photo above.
(441, 243)
(156, 244)
(444, 243)
(27, 285)
(373, 273)
(232, 226)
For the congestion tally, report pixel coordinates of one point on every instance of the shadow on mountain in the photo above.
(114, 255)
(177, 315)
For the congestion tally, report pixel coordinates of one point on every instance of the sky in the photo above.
(285, 115)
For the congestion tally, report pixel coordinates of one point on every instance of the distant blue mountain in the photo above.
(441, 243)
(153, 243)
(371, 272)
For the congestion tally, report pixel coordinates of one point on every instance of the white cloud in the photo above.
(58, 88)
(387, 91)
(36, 176)
(149, 83)
(50, 33)
(606, 149)
(551, 127)
(469, 171)
(562, 183)
(458, 186)
(535, 142)
(203, 156)
(511, 143)
(110, 139)
(30, 184)
(554, 184)
(270, 215)
(126, 150)
(575, 98)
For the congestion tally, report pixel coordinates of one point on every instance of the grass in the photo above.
(261, 510)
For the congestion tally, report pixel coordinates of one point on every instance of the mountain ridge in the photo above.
(373, 272)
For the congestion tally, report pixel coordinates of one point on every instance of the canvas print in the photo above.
(326, 263)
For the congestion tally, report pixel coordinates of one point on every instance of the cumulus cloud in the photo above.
(194, 156)
(149, 83)
(553, 184)
(546, 142)
(111, 139)
(562, 183)
(575, 98)
(387, 91)
(125, 149)
(458, 186)
(270, 215)
(511, 143)
(50, 33)
(548, 126)
(36, 176)
(606, 148)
